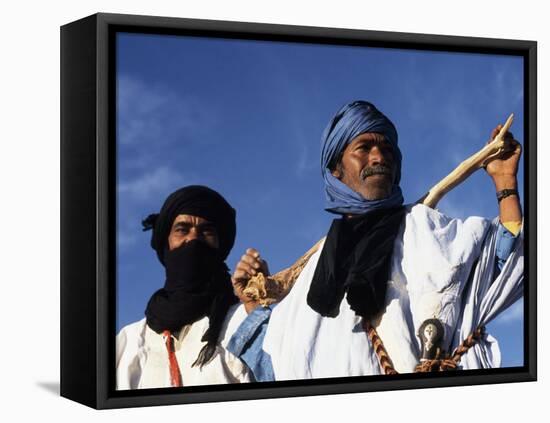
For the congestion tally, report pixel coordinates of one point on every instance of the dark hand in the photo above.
(250, 265)
(504, 168)
(504, 171)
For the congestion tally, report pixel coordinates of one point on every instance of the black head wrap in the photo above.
(195, 200)
(198, 282)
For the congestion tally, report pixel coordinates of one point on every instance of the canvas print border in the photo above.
(88, 180)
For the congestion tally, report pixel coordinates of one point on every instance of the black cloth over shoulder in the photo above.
(355, 260)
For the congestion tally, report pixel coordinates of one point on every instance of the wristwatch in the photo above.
(506, 193)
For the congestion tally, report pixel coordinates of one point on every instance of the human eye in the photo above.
(209, 231)
(365, 146)
(387, 148)
(181, 229)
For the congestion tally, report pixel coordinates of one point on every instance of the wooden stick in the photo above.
(467, 167)
(274, 288)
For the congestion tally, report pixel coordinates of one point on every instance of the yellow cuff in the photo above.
(514, 226)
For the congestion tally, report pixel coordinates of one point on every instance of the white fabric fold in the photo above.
(142, 359)
(484, 300)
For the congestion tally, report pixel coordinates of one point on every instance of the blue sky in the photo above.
(246, 118)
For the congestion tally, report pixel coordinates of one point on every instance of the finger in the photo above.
(506, 155)
(264, 268)
(511, 149)
(509, 145)
(252, 252)
(508, 136)
(244, 268)
(249, 270)
(239, 276)
(240, 279)
(515, 147)
(252, 261)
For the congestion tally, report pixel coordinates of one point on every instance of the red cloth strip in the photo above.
(175, 374)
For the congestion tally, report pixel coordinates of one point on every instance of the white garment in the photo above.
(142, 357)
(441, 267)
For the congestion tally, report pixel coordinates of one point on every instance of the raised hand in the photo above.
(248, 266)
(504, 169)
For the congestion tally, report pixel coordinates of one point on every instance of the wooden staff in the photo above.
(480, 159)
(271, 289)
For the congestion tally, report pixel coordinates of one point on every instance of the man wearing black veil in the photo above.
(180, 340)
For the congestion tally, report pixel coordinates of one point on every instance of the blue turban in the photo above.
(352, 120)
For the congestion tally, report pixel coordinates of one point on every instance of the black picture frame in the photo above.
(88, 159)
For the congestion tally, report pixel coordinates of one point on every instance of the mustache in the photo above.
(375, 170)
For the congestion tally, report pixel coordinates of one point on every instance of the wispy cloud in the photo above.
(454, 118)
(142, 195)
(127, 237)
(507, 90)
(314, 228)
(151, 120)
(307, 159)
(150, 113)
(452, 209)
(150, 184)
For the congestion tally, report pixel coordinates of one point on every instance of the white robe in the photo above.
(142, 358)
(441, 267)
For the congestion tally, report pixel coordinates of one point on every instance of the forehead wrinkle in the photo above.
(371, 137)
(189, 218)
(182, 223)
(201, 225)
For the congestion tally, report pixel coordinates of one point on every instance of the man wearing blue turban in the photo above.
(416, 283)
